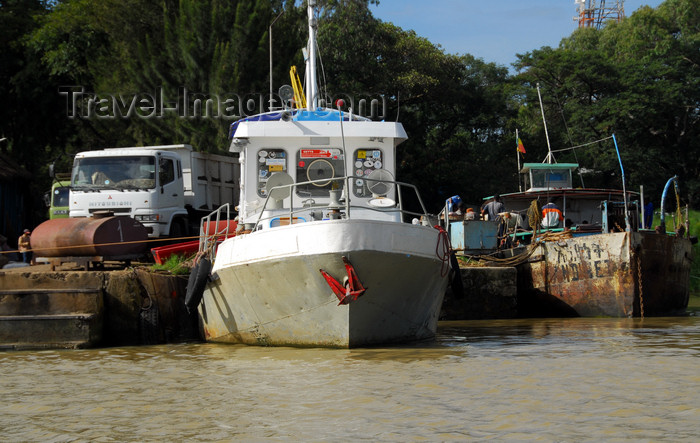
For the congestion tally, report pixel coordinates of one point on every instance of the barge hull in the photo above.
(608, 275)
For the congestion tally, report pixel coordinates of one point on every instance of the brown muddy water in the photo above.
(515, 380)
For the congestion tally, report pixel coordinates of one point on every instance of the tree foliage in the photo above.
(638, 79)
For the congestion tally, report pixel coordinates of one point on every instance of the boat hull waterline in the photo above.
(609, 275)
(268, 288)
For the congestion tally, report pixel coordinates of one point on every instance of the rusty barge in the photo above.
(591, 252)
(616, 274)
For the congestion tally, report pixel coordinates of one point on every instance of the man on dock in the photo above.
(25, 247)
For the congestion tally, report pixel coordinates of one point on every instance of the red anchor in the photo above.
(351, 290)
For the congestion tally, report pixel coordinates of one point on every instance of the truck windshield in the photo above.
(133, 172)
(60, 196)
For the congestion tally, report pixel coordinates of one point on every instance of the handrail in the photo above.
(207, 240)
(347, 206)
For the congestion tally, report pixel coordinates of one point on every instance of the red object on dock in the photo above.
(161, 253)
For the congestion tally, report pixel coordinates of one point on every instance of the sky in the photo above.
(494, 30)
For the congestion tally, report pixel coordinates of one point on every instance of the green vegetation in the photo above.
(694, 227)
(175, 264)
(694, 217)
(638, 79)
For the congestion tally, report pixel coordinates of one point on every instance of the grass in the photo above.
(694, 224)
(175, 264)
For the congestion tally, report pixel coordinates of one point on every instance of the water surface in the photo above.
(544, 380)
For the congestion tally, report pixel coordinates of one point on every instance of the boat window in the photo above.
(365, 161)
(550, 179)
(270, 161)
(320, 166)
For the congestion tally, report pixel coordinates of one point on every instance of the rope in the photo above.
(679, 216)
(534, 215)
(106, 244)
(444, 254)
(525, 256)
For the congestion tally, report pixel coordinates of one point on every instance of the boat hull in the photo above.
(268, 289)
(607, 275)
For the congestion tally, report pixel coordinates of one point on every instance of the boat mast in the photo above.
(311, 86)
(517, 154)
(550, 157)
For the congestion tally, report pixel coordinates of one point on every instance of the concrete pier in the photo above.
(488, 293)
(75, 309)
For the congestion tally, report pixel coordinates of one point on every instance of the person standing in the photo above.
(25, 247)
(493, 208)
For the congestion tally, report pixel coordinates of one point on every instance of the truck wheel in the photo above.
(177, 229)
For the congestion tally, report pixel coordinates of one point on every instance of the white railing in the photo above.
(208, 240)
(345, 206)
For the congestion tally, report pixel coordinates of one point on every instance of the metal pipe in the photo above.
(641, 196)
(624, 189)
(673, 179)
(270, 35)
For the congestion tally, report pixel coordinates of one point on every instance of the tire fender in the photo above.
(196, 283)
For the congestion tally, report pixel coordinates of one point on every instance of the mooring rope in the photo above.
(169, 239)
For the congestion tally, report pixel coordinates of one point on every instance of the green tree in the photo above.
(637, 79)
(32, 134)
(185, 51)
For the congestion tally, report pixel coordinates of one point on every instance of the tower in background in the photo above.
(595, 13)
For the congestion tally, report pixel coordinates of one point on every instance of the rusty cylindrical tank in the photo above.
(81, 237)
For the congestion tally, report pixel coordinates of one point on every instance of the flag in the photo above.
(521, 147)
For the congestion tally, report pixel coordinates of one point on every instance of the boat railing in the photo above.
(211, 234)
(341, 206)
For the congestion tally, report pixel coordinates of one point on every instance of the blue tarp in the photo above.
(319, 114)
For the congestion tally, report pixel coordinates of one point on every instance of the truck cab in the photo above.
(145, 183)
(167, 188)
(57, 199)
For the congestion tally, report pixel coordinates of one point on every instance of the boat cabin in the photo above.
(322, 163)
(546, 176)
(583, 210)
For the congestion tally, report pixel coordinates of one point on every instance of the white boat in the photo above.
(327, 252)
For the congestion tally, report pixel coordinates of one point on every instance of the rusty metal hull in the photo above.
(608, 275)
(268, 289)
(118, 236)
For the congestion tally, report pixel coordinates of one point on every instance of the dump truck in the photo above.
(166, 188)
(57, 199)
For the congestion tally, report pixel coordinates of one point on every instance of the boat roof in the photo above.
(583, 193)
(548, 166)
(297, 115)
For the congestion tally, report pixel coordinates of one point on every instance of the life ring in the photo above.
(196, 283)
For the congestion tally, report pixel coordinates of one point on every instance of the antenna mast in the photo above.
(550, 157)
(594, 13)
(311, 86)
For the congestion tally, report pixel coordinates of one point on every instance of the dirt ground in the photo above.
(70, 266)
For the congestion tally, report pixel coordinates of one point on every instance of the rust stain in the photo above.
(609, 275)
